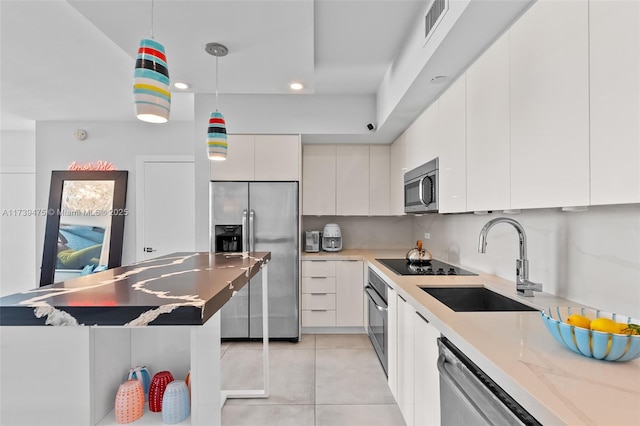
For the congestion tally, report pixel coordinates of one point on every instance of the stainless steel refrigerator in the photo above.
(259, 216)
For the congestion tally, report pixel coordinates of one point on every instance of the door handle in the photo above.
(245, 236)
(148, 249)
(251, 230)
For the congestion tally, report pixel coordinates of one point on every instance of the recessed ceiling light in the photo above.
(439, 79)
(181, 85)
(296, 86)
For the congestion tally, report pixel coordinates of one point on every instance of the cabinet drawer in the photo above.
(319, 318)
(318, 284)
(319, 301)
(318, 268)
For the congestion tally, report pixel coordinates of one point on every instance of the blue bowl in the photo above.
(590, 343)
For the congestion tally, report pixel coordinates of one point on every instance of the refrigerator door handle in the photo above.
(251, 230)
(245, 235)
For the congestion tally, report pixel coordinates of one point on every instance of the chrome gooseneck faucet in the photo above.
(524, 287)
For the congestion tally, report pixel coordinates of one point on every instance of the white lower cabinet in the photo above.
(332, 293)
(349, 293)
(406, 371)
(392, 341)
(412, 363)
(427, 378)
(318, 293)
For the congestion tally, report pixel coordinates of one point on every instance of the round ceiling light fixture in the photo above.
(181, 85)
(296, 85)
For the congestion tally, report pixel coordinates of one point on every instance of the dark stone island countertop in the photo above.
(184, 288)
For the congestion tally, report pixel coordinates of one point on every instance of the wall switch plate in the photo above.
(427, 235)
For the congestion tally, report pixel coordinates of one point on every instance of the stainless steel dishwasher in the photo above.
(469, 397)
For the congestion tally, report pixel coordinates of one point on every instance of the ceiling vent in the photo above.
(434, 16)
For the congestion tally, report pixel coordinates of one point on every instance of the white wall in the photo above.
(116, 142)
(18, 263)
(591, 257)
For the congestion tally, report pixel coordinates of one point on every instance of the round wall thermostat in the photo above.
(80, 134)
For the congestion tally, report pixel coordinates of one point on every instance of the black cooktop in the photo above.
(428, 267)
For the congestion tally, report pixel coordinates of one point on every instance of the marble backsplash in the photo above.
(362, 232)
(592, 257)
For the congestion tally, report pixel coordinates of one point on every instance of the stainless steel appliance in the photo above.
(377, 323)
(331, 237)
(312, 241)
(263, 216)
(469, 397)
(421, 188)
(427, 267)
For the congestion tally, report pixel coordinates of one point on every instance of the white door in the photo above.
(166, 207)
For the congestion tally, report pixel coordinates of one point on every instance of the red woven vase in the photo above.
(156, 389)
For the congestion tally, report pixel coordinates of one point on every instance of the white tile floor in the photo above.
(324, 380)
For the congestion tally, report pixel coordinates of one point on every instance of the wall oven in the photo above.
(421, 188)
(377, 327)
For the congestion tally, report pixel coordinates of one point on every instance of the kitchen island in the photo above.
(162, 313)
(552, 383)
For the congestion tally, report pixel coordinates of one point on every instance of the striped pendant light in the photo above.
(217, 130)
(151, 86)
(217, 137)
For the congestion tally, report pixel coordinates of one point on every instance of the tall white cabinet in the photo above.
(379, 180)
(549, 84)
(452, 145)
(319, 180)
(352, 178)
(614, 58)
(488, 139)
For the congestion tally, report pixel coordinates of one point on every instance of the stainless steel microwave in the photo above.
(421, 188)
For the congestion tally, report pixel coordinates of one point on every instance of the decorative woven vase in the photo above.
(175, 402)
(156, 390)
(129, 405)
(141, 374)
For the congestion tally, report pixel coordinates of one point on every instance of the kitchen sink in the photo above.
(475, 299)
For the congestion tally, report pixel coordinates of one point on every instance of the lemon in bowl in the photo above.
(594, 333)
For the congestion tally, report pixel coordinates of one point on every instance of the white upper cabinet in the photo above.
(396, 177)
(259, 158)
(277, 157)
(346, 180)
(488, 160)
(379, 169)
(352, 177)
(319, 180)
(239, 163)
(549, 73)
(614, 31)
(452, 139)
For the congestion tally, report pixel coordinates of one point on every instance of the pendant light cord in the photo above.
(216, 83)
(152, 19)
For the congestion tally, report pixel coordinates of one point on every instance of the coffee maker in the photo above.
(331, 237)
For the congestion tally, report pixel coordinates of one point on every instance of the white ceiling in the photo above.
(73, 60)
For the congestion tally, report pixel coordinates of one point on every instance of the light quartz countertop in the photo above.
(555, 385)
